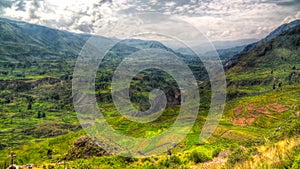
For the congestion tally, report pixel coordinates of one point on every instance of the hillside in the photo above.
(260, 127)
(23, 41)
(273, 64)
(20, 40)
(278, 31)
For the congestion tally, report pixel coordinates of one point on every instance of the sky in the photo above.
(218, 20)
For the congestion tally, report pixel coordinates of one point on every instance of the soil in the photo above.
(253, 112)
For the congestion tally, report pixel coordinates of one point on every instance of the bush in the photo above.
(172, 162)
(51, 167)
(294, 129)
(296, 163)
(149, 166)
(293, 158)
(216, 152)
(145, 159)
(164, 163)
(238, 155)
(174, 159)
(198, 157)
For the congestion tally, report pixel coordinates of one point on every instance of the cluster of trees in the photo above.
(41, 115)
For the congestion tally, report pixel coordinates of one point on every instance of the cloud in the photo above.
(287, 2)
(217, 19)
(291, 18)
(5, 4)
(73, 15)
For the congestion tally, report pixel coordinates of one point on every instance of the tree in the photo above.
(29, 107)
(22, 114)
(39, 115)
(49, 152)
(280, 85)
(274, 86)
(7, 100)
(30, 101)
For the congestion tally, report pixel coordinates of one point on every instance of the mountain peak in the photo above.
(281, 29)
(277, 32)
(277, 52)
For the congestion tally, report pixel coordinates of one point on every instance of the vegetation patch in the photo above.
(85, 147)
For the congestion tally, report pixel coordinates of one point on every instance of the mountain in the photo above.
(269, 65)
(281, 29)
(39, 123)
(231, 44)
(273, 53)
(226, 54)
(225, 49)
(141, 44)
(21, 40)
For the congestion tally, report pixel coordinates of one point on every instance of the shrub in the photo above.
(198, 157)
(145, 159)
(292, 159)
(149, 166)
(174, 159)
(296, 163)
(294, 129)
(164, 163)
(51, 167)
(172, 162)
(238, 155)
(216, 152)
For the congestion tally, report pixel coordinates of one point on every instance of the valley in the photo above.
(260, 127)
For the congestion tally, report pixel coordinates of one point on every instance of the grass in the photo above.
(259, 120)
(279, 155)
(32, 149)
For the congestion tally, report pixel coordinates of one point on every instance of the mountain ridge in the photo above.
(21, 39)
(281, 29)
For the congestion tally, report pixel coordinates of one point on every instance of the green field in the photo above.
(260, 126)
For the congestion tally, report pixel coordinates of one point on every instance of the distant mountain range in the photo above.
(20, 40)
(261, 114)
(231, 44)
(228, 50)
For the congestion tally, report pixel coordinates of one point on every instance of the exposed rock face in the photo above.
(85, 147)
